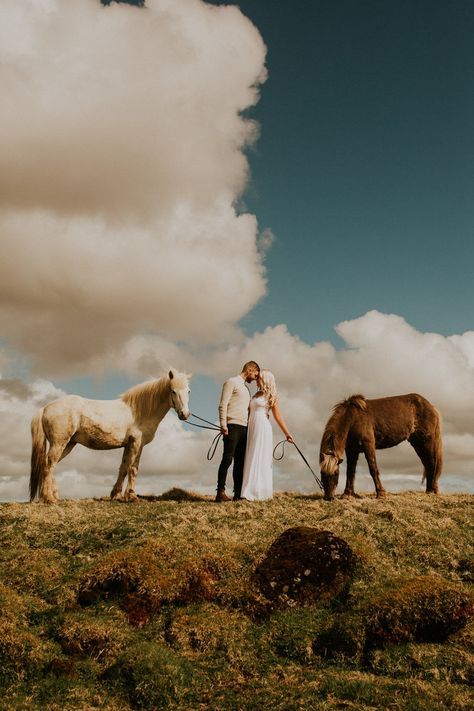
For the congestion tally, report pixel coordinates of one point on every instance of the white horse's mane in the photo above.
(144, 398)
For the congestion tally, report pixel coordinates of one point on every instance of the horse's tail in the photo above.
(436, 455)
(437, 452)
(38, 454)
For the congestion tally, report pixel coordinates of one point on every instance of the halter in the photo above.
(172, 400)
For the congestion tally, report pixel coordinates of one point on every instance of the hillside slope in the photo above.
(154, 605)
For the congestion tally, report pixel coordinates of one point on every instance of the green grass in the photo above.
(153, 605)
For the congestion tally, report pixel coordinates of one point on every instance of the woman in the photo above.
(258, 475)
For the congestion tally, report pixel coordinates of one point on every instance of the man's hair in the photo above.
(251, 364)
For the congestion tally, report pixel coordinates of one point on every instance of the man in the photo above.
(233, 418)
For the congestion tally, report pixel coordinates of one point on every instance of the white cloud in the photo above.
(121, 160)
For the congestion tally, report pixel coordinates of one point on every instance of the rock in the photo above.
(306, 566)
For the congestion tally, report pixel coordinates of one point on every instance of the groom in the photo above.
(233, 418)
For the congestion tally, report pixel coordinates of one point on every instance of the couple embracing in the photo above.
(248, 440)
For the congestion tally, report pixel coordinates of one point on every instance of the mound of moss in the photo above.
(307, 566)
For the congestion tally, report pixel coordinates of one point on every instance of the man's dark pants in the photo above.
(234, 449)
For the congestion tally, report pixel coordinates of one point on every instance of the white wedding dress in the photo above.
(257, 484)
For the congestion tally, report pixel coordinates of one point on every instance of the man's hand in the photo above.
(224, 431)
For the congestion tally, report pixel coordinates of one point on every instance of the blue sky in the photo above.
(364, 167)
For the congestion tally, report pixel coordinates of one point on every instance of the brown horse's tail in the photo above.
(38, 454)
(435, 455)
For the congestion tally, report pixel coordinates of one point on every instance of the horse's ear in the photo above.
(171, 374)
(189, 376)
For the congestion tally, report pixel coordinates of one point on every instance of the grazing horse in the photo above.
(359, 425)
(129, 422)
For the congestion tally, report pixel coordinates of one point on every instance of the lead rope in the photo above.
(278, 459)
(215, 442)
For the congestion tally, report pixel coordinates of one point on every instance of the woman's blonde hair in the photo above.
(268, 386)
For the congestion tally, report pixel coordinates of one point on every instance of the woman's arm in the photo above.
(281, 422)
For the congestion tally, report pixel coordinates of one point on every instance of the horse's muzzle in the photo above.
(183, 415)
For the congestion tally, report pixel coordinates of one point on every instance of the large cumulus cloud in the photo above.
(121, 162)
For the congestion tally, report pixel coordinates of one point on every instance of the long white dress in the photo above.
(257, 481)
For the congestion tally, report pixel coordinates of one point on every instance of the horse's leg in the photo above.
(67, 450)
(49, 491)
(351, 457)
(369, 452)
(130, 494)
(116, 492)
(425, 447)
(129, 456)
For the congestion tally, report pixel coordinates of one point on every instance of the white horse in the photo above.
(129, 422)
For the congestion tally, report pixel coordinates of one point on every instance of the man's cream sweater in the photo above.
(234, 404)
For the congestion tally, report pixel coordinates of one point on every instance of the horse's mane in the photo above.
(334, 429)
(358, 401)
(144, 398)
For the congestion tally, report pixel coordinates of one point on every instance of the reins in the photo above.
(214, 444)
(277, 459)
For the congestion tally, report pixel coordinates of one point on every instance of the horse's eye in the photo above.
(339, 461)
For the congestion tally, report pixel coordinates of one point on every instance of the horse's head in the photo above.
(179, 393)
(329, 465)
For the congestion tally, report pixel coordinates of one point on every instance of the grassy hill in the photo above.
(154, 605)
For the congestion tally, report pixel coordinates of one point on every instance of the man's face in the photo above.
(251, 375)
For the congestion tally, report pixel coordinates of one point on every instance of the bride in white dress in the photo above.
(257, 482)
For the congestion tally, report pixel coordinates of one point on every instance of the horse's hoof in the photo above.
(130, 496)
(381, 494)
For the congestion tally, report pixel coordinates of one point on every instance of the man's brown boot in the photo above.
(221, 496)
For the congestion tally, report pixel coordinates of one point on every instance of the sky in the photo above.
(195, 184)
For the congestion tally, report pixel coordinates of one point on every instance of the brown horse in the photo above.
(360, 425)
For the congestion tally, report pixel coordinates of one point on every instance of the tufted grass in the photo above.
(106, 605)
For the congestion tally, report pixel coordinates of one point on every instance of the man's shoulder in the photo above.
(235, 380)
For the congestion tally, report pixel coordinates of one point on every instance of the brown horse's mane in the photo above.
(333, 432)
(358, 401)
